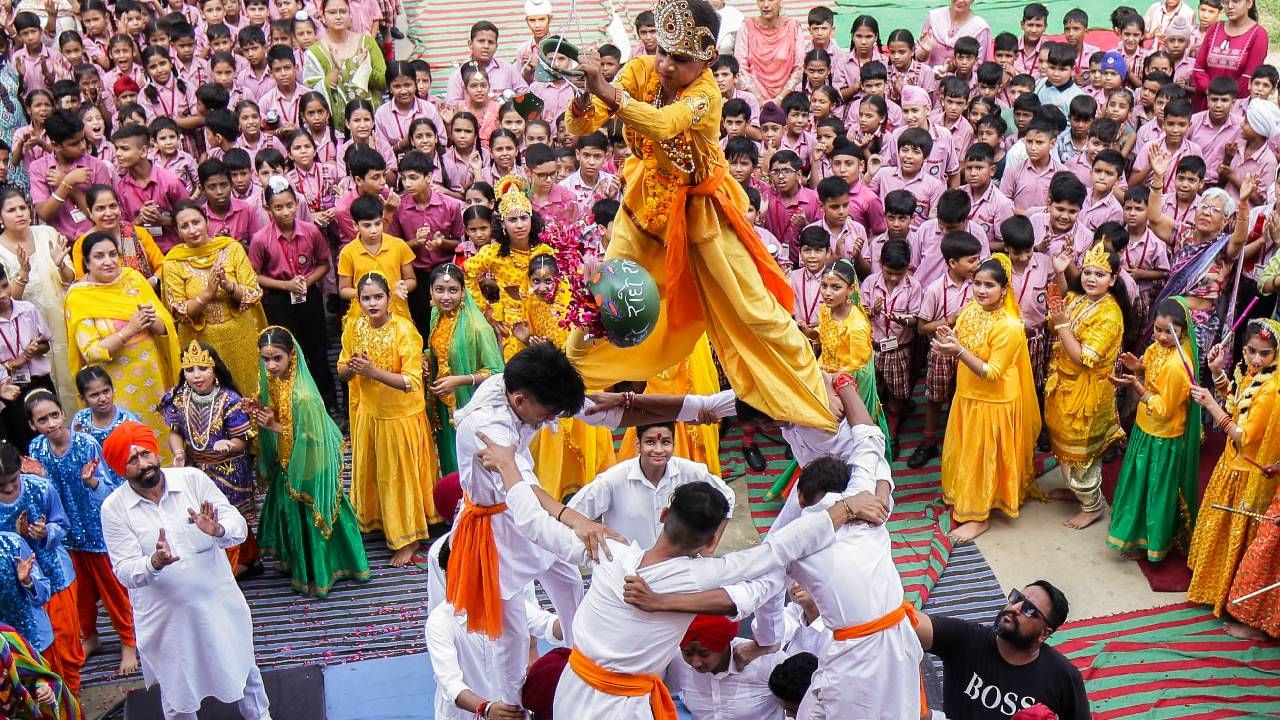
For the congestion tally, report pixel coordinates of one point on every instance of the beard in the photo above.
(149, 478)
(1011, 632)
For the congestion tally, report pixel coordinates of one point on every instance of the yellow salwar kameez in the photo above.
(695, 375)
(393, 463)
(846, 346)
(572, 456)
(682, 219)
(1220, 537)
(512, 275)
(988, 459)
(355, 261)
(138, 250)
(147, 366)
(231, 327)
(1080, 403)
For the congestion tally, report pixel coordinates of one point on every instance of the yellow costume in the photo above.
(846, 344)
(1079, 401)
(1221, 538)
(576, 452)
(682, 219)
(512, 275)
(354, 261)
(144, 369)
(988, 458)
(228, 326)
(393, 463)
(695, 375)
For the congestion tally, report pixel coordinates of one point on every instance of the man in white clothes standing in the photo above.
(167, 532)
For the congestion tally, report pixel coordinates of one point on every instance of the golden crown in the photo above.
(196, 356)
(511, 197)
(680, 34)
(1098, 257)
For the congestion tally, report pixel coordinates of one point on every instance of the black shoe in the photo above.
(754, 459)
(922, 455)
(893, 448)
(397, 33)
(1042, 442)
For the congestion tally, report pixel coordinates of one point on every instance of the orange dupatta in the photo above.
(472, 584)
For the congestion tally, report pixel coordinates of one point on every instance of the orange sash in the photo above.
(880, 624)
(472, 584)
(619, 684)
(683, 305)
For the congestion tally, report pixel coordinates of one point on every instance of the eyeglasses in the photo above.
(781, 172)
(1212, 209)
(1028, 609)
(545, 175)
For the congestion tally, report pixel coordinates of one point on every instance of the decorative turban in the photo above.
(539, 691)
(115, 450)
(1178, 27)
(713, 632)
(1264, 117)
(1115, 61)
(126, 84)
(913, 95)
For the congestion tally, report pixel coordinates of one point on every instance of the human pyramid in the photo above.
(1075, 250)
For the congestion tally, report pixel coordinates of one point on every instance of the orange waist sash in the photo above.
(472, 584)
(611, 682)
(683, 306)
(880, 624)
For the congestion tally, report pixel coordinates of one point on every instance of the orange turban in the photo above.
(713, 632)
(115, 450)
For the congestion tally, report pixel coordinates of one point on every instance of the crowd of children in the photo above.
(1074, 250)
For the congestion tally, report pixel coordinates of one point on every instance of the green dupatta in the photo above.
(313, 468)
(1189, 444)
(473, 347)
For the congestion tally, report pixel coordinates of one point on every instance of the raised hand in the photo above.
(163, 556)
(58, 251)
(1158, 158)
(1063, 259)
(1131, 362)
(206, 519)
(88, 473)
(24, 566)
(1217, 358)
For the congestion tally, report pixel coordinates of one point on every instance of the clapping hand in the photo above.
(1131, 362)
(149, 213)
(360, 364)
(945, 342)
(58, 251)
(24, 567)
(206, 519)
(223, 447)
(37, 530)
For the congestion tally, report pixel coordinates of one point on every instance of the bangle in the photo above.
(57, 197)
(842, 381)
(482, 710)
(1221, 378)
(1223, 422)
(561, 513)
(1059, 326)
(628, 399)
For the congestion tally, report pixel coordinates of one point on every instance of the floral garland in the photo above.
(568, 240)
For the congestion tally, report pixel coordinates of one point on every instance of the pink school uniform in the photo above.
(1032, 290)
(1049, 241)
(989, 209)
(1213, 141)
(942, 299)
(71, 222)
(241, 221)
(1028, 186)
(926, 251)
(806, 286)
(392, 124)
(1096, 212)
(872, 247)
(926, 189)
(845, 238)
(865, 207)
(163, 188)
(777, 216)
(892, 340)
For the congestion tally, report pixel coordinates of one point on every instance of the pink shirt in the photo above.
(161, 187)
(1052, 242)
(806, 287)
(253, 84)
(943, 298)
(847, 68)
(1096, 212)
(801, 145)
(1032, 289)
(183, 165)
(894, 120)
(264, 141)
(845, 237)
(555, 98)
(560, 205)
(284, 105)
(1027, 59)
(926, 251)
(34, 66)
(943, 161)
(1213, 142)
(1028, 186)
(751, 102)
(284, 258)
(871, 249)
(241, 221)
(502, 76)
(865, 207)
(194, 74)
(364, 13)
(71, 221)
(926, 189)
(1261, 162)
(392, 124)
(379, 144)
(342, 214)
(904, 299)
(24, 325)
(170, 101)
(917, 74)
(1148, 252)
(317, 186)
(780, 211)
(1142, 158)
(960, 129)
(586, 195)
(989, 209)
(441, 214)
(458, 169)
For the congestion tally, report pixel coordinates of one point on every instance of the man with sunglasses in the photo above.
(990, 675)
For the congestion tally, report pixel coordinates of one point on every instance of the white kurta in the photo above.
(622, 638)
(855, 581)
(195, 633)
(735, 694)
(631, 505)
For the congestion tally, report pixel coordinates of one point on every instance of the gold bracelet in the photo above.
(1059, 326)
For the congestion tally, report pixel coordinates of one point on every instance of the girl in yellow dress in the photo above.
(844, 337)
(517, 239)
(393, 465)
(994, 417)
(1080, 402)
(214, 294)
(1238, 481)
(695, 375)
(570, 457)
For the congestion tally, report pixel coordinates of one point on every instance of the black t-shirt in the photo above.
(977, 683)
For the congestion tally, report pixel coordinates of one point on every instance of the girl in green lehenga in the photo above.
(307, 522)
(462, 351)
(1155, 502)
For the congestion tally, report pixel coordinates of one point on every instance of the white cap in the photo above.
(537, 7)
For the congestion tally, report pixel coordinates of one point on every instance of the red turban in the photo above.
(540, 683)
(125, 84)
(447, 494)
(115, 450)
(713, 632)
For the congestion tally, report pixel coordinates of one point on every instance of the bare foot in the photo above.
(128, 661)
(1062, 494)
(967, 532)
(1243, 632)
(404, 555)
(1082, 519)
(91, 644)
(1135, 554)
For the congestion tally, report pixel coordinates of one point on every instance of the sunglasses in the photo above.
(1028, 609)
